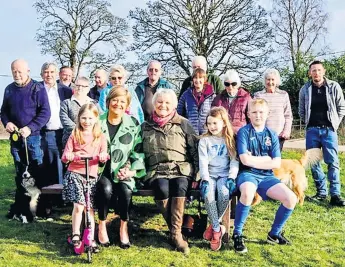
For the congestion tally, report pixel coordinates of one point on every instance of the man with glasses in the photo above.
(148, 87)
(322, 108)
(101, 80)
(201, 63)
(234, 99)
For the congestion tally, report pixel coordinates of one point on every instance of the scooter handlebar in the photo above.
(84, 158)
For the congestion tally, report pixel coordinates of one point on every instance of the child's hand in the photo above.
(69, 156)
(204, 188)
(230, 184)
(103, 156)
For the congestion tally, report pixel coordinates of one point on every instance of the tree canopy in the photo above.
(75, 32)
(230, 34)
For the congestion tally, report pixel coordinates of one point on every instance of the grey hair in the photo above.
(153, 61)
(104, 72)
(120, 69)
(232, 75)
(83, 78)
(165, 91)
(202, 59)
(275, 73)
(46, 65)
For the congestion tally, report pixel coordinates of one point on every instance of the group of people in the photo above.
(214, 136)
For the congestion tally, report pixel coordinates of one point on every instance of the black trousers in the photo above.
(166, 188)
(112, 195)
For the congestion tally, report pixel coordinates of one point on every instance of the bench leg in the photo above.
(229, 218)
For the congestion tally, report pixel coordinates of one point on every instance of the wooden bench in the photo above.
(228, 218)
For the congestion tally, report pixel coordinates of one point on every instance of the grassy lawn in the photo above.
(317, 233)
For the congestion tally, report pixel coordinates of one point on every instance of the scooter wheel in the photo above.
(89, 256)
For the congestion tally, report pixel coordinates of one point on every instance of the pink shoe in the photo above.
(77, 244)
(216, 242)
(208, 233)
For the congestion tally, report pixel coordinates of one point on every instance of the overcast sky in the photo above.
(18, 25)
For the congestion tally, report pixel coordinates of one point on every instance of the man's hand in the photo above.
(25, 131)
(11, 127)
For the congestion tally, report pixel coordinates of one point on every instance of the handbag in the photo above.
(194, 225)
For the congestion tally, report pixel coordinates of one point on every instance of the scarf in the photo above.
(200, 96)
(161, 121)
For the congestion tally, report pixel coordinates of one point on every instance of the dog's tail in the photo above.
(311, 157)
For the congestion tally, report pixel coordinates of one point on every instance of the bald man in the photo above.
(25, 110)
(148, 87)
(101, 80)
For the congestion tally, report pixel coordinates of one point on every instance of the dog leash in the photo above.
(26, 172)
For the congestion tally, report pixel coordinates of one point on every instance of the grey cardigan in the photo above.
(69, 110)
(335, 102)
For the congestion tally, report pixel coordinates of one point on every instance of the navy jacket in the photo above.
(26, 106)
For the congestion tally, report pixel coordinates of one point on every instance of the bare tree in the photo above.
(228, 33)
(75, 31)
(298, 26)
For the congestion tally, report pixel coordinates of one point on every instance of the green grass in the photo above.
(317, 233)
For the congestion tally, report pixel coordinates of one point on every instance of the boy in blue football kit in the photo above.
(259, 152)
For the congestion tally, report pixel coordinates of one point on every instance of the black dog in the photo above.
(25, 205)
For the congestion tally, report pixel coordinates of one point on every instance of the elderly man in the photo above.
(101, 80)
(214, 80)
(25, 110)
(148, 87)
(52, 132)
(65, 76)
(322, 108)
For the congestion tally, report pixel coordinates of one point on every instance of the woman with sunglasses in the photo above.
(280, 116)
(118, 77)
(234, 99)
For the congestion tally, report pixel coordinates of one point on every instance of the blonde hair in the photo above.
(118, 90)
(120, 69)
(228, 133)
(96, 131)
(256, 102)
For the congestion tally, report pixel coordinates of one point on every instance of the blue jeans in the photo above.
(52, 147)
(327, 139)
(35, 156)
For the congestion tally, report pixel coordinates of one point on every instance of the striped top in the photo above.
(280, 115)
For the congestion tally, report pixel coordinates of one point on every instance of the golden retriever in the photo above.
(292, 173)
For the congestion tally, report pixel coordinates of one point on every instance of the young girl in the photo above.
(195, 103)
(218, 169)
(85, 140)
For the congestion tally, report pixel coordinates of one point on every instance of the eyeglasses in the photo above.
(154, 70)
(116, 78)
(81, 86)
(227, 84)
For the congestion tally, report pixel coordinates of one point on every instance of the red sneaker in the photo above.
(208, 233)
(216, 242)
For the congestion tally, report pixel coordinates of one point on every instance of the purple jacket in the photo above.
(237, 109)
(26, 106)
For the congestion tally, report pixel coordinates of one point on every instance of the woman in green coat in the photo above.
(126, 163)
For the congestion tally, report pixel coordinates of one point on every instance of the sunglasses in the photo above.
(115, 78)
(233, 84)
